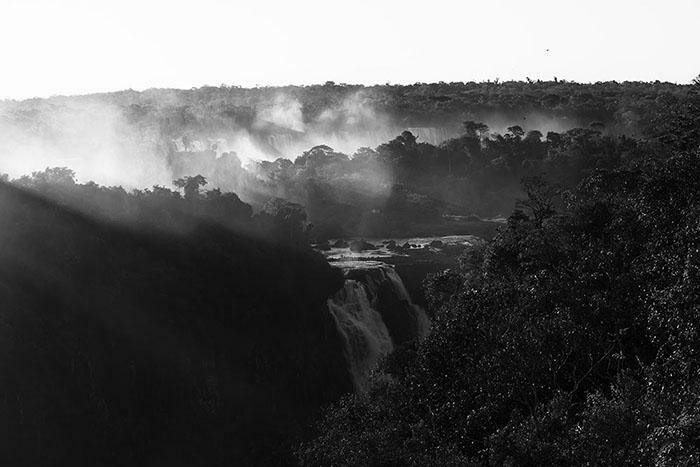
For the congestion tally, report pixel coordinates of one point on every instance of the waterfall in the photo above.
(366, 338)
(282, 143)
(417, 313)
(373, 313)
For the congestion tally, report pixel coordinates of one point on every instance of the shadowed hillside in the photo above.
(126, 347)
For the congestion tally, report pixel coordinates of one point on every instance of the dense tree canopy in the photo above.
(571, 338)
(188, 326)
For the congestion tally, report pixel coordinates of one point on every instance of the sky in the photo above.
(64, 47)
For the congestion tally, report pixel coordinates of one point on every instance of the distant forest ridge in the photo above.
(439, 149)
(619, 105)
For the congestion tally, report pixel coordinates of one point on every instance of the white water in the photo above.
(366, 338)
(344, 258)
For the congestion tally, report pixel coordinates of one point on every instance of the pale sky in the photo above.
(81, 46)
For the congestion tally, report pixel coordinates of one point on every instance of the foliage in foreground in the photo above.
(572, 338)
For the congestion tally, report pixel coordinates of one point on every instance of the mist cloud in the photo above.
(89, 136)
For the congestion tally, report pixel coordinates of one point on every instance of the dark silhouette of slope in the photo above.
(146, 348)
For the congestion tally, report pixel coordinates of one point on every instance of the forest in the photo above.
(571, 338)
(455, 149)
(186, 321)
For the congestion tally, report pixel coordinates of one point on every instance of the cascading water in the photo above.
(374, 312)
(366, 338)
(284, 143)
(422, 322)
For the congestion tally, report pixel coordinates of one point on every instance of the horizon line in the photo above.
(495, 81)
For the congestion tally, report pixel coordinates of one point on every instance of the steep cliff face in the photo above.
(374, 313)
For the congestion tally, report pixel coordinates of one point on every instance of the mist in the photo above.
(88, 135)
(142, 139)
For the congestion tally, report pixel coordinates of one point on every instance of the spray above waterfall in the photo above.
(124, 138)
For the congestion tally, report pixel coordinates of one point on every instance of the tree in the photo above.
(190, 185)
(474, 129)
(541, 198)
(534, 136)
(516, 131)
(58, 176)
(407, 138)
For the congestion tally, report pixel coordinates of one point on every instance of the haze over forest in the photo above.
(495, 262)
(126, 137)
(332, 145)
